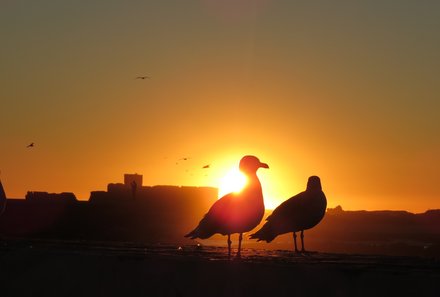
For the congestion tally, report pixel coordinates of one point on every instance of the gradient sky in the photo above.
(347, 90)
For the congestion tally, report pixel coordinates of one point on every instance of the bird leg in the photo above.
(302, 241)
(239, 245)
(229, 246)
(294, 240)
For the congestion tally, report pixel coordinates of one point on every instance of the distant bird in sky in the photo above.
(143, 77)
(31, 145)
(182, 159)
(206, 166)
(301, 212)
(235, 212)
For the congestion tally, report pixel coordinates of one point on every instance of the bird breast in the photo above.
(248, 210)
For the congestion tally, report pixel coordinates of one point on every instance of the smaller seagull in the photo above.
(297, 214)
(31, 145)
(206, 166)
(143, 77)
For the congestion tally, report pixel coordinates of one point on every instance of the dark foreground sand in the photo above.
(69, 268)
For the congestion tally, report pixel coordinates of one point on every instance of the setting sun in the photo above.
(233, 181)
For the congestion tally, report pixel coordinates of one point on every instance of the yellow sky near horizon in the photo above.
(345, 91)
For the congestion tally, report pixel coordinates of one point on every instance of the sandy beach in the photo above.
(75, 268)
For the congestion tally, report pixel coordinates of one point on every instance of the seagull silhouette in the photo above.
(143, 77)
(31, 145)
(235, 212)
(206, 166)
(299, 213)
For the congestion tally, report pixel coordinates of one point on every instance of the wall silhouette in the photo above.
(163, 214)
(158, 214)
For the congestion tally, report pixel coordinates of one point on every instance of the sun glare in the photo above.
(233, 181)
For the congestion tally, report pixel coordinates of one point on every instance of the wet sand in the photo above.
(74, 268)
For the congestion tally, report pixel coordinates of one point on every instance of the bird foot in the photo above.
(237, 258)
(299, 252)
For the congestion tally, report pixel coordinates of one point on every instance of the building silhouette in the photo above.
(158, 214)
(37, 196)
(129, 179)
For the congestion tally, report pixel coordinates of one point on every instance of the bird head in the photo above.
(314, 183)
(250, 164)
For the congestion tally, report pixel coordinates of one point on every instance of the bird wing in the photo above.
(290, 213)
(220, 210)
(289, 207)
(300, 212)
(214, 220)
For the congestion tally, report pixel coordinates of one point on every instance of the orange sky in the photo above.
(347, 91)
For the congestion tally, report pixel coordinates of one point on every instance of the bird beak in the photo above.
(264, 165)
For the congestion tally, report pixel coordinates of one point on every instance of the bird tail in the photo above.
(196, 233)
(265, 233)
(203, 230)
(192, 234)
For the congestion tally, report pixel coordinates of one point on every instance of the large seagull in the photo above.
(235, 212)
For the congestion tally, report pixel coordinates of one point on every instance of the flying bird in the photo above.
(206, 166)
(235, 212)
(31, 145)
(301, 212)
(182, 159)
(143, 77)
